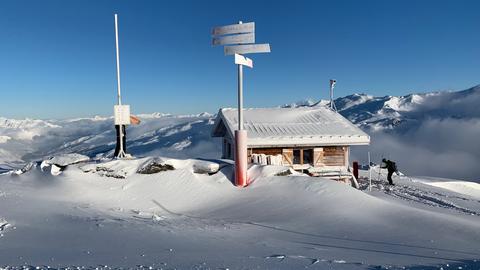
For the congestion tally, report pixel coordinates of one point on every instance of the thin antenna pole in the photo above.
(331, 95)
(118, 61)
(332, 103)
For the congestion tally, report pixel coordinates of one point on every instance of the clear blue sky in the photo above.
(57, 58)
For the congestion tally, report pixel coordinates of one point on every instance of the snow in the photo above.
(67, 159)
(468, 188)
(4, 139)
(186, 213)
(185, 220)
(292, 126)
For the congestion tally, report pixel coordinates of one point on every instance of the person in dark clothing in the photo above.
(117, 147)
(391, 168)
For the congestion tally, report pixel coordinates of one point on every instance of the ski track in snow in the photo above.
(421, 195)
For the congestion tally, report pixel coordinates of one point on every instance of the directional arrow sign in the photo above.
(244, 61)
(234, 39)
(245, 49)
(234, 29)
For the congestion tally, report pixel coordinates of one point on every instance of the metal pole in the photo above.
(369, 173)
(121, 153)
(118, 61)
(331, 96)
(240, 97)
(240, 94)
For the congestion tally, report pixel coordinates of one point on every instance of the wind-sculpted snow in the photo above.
(180, 218)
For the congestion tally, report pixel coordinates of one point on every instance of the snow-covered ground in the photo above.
(178, 219)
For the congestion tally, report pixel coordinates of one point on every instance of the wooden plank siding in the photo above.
(318, 157)
(267, 151)
(287, 155)
(322, 156)
(334, 156)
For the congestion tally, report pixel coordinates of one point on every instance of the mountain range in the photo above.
(429, 126)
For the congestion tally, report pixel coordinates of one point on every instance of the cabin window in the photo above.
(229, 151)
(307, 156)
(296, 156)
(302, 156)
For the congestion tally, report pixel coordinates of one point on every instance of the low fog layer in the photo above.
(435, 134)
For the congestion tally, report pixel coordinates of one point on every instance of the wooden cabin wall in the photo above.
(227, 148)
(334, 156)
(287, 156)
(267, 151)
(322, 156)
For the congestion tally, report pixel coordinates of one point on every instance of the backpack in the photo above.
(394, 166)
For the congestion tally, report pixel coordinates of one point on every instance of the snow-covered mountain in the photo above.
(439, 129)
(405, 112)
(427, 134)
(178, 136)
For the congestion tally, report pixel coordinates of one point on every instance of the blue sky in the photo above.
(57, 58)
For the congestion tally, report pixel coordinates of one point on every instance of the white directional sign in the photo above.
(234, 29)
(244, 61)
(234, 39)
(122, 114)
(245, 49)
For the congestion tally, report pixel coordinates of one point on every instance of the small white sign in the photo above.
(121, 114)
(244, 61)
(245, 49)
(234, 39)
(234, 29)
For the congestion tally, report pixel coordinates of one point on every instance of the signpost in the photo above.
(244, 34)
(121, 112)
(234, 39)
(234, 29)
(244, 61)
(245, 49)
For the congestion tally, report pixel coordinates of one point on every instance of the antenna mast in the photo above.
(332, 103)
(121, 127)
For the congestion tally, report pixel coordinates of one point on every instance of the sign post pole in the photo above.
(242, 36)
(240, 136)
(240, 97)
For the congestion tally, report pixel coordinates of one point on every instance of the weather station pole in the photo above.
(122, 112)
(332, 103)
(242, 36)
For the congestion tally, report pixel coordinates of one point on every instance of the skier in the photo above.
(391, 168)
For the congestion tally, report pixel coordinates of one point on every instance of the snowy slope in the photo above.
(178, 219)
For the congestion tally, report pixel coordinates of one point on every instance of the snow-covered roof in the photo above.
(267, 127)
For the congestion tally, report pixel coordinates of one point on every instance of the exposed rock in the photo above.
(154, 166)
